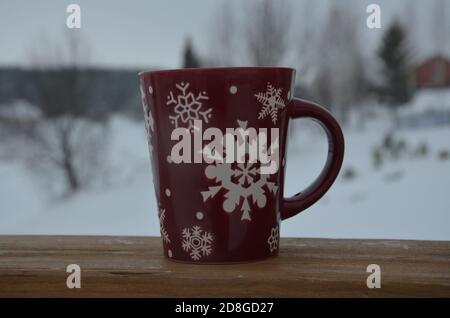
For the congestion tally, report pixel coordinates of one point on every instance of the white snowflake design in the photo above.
(272, 102)
(274, 239)
(241, 181)
(149, 122)
(148, 118)
(187, 107)
(197, 242)
(164, 234)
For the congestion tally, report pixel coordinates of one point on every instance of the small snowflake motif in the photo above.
(148, 118)
(197, 242)
(164, 234)
(150, 122)
(244, 183)
(274, 239)
(187, 107)
(272, 102)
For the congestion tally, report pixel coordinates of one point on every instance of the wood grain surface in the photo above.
(35, 266)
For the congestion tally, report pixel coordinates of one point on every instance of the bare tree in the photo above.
(307, 41)
(266, 29)
(224, 38)
(69, 137)
(258, 34)
(440, 27)
(340, 81)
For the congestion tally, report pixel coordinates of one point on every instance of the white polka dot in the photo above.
(150, 89)
(233, 89)
(169, 252)
(199, 215)
(169, 159)
(168, 193)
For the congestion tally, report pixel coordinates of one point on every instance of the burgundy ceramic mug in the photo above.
(223, 211)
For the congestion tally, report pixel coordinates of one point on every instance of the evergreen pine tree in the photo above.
(395, 55)
(190, 58)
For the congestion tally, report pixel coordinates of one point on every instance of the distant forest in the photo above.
(115, 90)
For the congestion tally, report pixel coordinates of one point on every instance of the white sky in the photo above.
(139, 33)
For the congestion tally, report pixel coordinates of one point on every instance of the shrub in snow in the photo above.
(444, 154)
(377, 157)
(348, 173)
(421, 150)
(393, 176)
(393, 147)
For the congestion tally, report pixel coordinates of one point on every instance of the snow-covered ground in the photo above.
(406, 198)
(428, 100)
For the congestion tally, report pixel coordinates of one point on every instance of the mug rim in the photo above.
(209, 69)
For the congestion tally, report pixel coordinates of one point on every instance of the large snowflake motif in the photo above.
(187, 107)
(241, 181)
(274, 238)
(148, 118)
(164, 234)
(197, 242)
(272, 102)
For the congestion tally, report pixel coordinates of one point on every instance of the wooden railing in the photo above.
(35, 266)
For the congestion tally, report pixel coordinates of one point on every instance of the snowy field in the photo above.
(405, 198)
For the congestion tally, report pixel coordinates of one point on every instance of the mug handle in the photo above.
(298, 108)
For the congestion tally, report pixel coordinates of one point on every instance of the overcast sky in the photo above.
(145, 33)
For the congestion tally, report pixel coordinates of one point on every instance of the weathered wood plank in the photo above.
(34, 266)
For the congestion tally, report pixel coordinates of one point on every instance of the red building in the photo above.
(433, 73)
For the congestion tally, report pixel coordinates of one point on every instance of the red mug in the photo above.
(225, 211)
